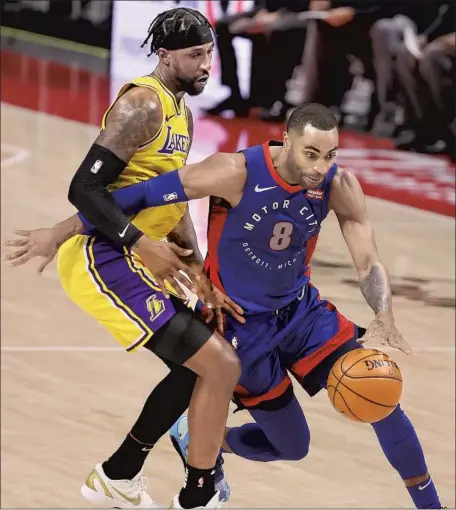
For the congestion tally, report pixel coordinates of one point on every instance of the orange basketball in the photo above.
(365, 385)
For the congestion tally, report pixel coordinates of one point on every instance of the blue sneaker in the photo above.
(179, 437)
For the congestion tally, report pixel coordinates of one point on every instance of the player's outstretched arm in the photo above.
(221, 175)
(133, 120)
(348, 202)
(42, 242)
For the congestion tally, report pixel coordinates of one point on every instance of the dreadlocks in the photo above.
(174, 22)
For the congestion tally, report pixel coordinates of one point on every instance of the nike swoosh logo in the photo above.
(124, 231)
(167, 119)
(145, 449)
(259, 190)
(133, 500)
(422, 487)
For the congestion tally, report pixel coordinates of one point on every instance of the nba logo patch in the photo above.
(155, 307)
(96, 166)
(169, 197)
(315, 194)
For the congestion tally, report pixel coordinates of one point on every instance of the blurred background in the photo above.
(385, 68)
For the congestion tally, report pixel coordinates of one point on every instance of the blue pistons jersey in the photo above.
(259, 251)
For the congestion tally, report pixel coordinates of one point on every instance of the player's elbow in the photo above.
(365, 269)
(77, 192)
(74, 192)
(80, 193)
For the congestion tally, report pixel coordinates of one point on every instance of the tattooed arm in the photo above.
(348, 202)
(184, 233)
(133, 120)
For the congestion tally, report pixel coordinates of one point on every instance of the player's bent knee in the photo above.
(217, 362)
(295, 444)
(297, 450)
(181, 337)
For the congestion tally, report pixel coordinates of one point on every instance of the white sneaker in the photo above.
(215, 502)
(102, 492)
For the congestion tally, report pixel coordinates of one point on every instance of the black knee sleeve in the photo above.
(181, 337)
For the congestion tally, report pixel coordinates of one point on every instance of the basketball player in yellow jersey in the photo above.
(166, 148)
(147, 131)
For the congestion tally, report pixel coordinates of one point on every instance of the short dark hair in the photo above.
(175, 20)
(315, 115)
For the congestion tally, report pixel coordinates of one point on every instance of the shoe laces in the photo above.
(140, 485)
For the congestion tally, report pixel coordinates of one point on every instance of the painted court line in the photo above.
(19, 154)
(91, 348)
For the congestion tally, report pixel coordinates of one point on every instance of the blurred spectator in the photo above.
(388, 34)
(83, 21)
(286, 36)
(267, 48)
(425, 72)
(345, 32)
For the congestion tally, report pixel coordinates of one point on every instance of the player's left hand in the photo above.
(42, 242)
(383, 330)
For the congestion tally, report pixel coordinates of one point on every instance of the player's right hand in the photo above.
(162, 259)
(42, 242)
(383, 330)
(220, 303)
(227, 304)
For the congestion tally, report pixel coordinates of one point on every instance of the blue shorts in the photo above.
(303, 339)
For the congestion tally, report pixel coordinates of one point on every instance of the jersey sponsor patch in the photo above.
(315, 194)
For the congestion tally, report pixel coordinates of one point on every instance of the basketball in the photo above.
(365, 385)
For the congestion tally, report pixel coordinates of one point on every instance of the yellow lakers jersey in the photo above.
(166, 151)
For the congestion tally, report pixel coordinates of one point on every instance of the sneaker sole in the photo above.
(99, 500)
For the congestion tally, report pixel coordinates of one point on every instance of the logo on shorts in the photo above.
(155, 307)
(234, 342)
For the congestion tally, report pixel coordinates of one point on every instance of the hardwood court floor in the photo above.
(69, 395)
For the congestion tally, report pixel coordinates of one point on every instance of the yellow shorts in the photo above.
(113, 286)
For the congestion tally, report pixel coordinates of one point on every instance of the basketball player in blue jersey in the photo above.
(267, 206)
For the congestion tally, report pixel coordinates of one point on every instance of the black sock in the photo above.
(167, 402)
(199, 487)
(128, 460)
